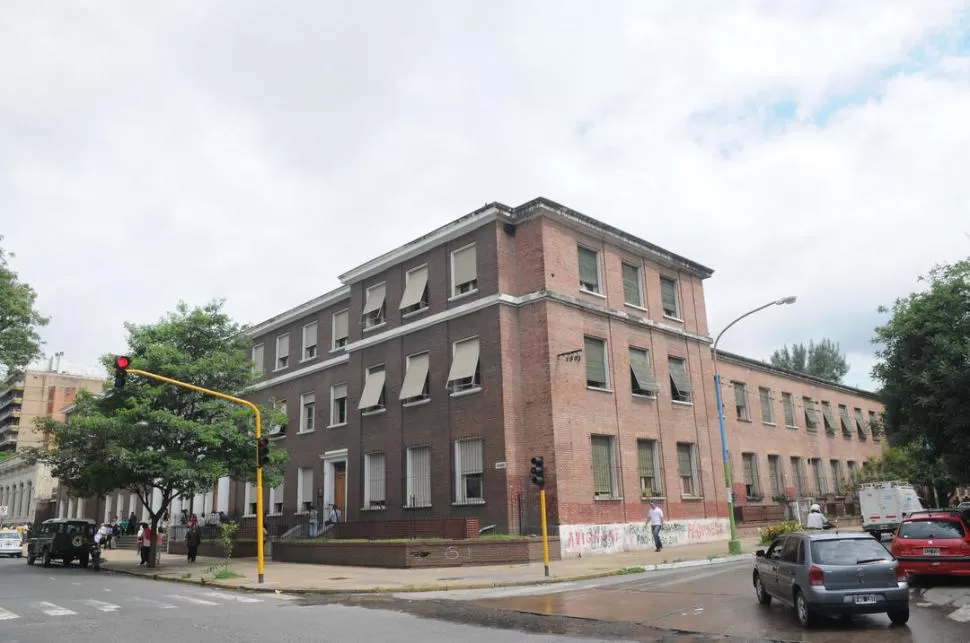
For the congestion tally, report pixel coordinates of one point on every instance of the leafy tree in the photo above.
(19, 340)
(924, 368)
(153, 435)
(825, 360)
(911, 463)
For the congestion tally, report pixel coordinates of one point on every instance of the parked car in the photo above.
(825, 573)
(62, 539)
(933, 542)
(11, 543)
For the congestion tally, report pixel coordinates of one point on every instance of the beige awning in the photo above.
(465, 361)
(416, 376)
(341, 324)
(414, 291)
(464, 266)
(371, 396)
(375, 300)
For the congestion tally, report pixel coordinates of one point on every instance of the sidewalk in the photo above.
(333, 579)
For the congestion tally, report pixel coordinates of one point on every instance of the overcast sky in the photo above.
(152, 152)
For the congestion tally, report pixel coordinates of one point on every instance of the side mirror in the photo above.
(760, 553)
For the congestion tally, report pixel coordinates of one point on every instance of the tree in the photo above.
(19, 322)
(824, 360)
(924, 367)
(154, 436)
(911, 463)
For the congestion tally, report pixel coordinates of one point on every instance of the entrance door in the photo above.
(340, 488)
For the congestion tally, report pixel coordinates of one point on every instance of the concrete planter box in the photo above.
(415, 553)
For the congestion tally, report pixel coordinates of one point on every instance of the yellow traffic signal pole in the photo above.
(545, 531)
(260, 562)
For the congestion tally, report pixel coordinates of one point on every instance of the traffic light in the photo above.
(538, 471)
(263, 452)
(121, 371)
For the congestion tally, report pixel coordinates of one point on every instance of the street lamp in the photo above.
(734, 545)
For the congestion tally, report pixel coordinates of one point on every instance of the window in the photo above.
(279, 430)
(788, 405)
(338, 404)
(774, 473)
(310, 341)
(799, 475)
(465, 373)
(250, 500)
(418, 477)
(647, 468)
(341, 322)
(932, 529)
(846, 420)
(415, 297)
(464, 271)
(874, 425)
(821, 488)
(372, 399)
(767, 410)
(282, 351)
(752, 476)
(604, 466)
(850, 467)
(860, 424)
(836, 476)
(276, 500)
(258, 358)
(595, 350)
(469, 471)
(632, 286)
(304, 489)
(642, 381)
(680, 388)
(589, 270)
(669, 297)
(374, 481)
(811, 418)
(686, 469)
(741, 409)
(374, 313)
(308, 412)
(827, 418)
(416, 386)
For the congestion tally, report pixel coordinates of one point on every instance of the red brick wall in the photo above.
(451, 528)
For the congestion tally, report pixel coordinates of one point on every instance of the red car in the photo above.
(935, 542)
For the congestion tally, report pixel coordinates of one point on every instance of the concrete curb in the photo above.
(442, 587)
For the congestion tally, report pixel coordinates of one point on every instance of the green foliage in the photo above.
(227, 532)
(768, 534)
(910, 463)
(924, 368)
(825, 360)
(156, 435)
(19, 322)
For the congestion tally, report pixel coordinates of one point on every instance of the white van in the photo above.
(883, 505)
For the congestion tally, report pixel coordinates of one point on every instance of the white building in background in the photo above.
(26, 491)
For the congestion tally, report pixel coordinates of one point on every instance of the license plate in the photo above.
(865, 599)
(932, 551)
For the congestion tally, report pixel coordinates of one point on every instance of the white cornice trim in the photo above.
(765, 367)
(442, 235)
(300, 372)
(312, 306)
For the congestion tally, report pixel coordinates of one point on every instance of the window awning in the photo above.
(416, 377)
(810, 410)
(846, 422)
(341, 324)
(464, 267)
(375, 300)
(414, 291)
(678, 373)
(640, 367)
(371, 396)
(465, 361)
(827, 412)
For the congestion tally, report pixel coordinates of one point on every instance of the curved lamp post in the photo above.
(734, 545)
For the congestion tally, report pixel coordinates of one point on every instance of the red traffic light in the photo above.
(122, 361)
(264, 442)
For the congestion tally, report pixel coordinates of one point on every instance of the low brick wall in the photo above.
(241, 549)
(450, 528)
(415, 553)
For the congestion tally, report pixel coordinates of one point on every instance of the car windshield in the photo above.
(9, 534)
(848, 551)
(928, 529)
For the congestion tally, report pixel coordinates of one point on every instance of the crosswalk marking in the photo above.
(158, 604)
(190, 599)
(55, 610)
(7, 616)
(239, 598)
(101, 605)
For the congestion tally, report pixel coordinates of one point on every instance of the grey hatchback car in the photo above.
(831, 573)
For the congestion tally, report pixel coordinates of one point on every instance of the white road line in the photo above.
(189, 599)
(239, 598)
(7, 616)
(101, 605)
(54, 610)
(158, 604)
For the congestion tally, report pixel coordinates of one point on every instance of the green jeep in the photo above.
(62, 539)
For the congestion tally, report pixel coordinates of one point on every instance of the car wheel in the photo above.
(898, 617)
(806, 618)
(47, 558)
(759, 589)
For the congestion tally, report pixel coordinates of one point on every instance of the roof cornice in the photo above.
(307, 308)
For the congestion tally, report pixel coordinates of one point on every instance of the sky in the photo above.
(252, 151)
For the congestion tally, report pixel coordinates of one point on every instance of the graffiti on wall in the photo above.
(576, 540)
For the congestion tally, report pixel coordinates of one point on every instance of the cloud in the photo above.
(155, 152)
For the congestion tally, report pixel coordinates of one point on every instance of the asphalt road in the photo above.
(40, 605)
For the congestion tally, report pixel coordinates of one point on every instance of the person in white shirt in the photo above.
(656, 519)
(815, 518)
